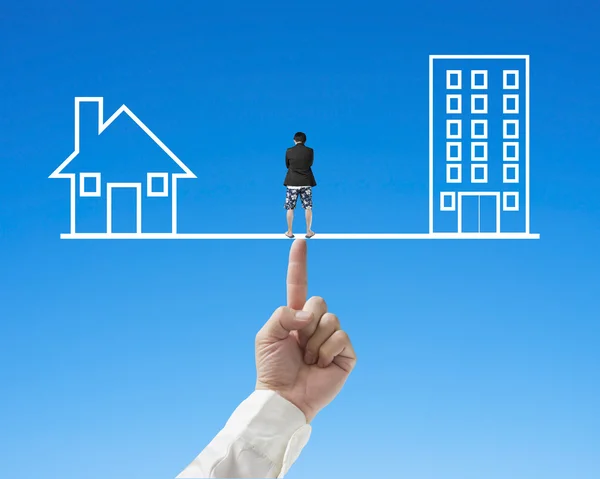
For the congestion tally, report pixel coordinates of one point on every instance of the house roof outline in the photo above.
(103, 125)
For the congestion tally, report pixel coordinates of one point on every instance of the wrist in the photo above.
(309, 414)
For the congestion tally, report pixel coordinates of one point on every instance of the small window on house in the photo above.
(158, 184)
(89, 184)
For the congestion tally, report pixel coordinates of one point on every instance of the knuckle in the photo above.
(343, 335)
(318, 301)
(324, 350)
(330, 319)
(280, 311)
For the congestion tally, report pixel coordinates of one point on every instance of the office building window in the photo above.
(511, 129)
(479, 129)
(453, 104)
(453, 173)
(510, 173)
(479, 80)
(454, 129)
(479, 173)
(510, 201)
(453, 79)
(454, 151)
(479, 104)
(510, 80)
(447, 201)
(511, 151)
(479, 151)
(510, 104)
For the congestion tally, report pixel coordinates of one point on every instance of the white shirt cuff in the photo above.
(262, 438)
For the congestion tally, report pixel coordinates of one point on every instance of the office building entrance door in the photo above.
(478, 212)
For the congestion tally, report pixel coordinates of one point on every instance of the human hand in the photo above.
(301, 352)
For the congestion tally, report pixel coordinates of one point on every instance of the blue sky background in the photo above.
(123, 359)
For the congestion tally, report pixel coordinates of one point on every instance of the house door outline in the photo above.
(138, 204)
(479, 194)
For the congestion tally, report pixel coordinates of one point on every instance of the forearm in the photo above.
(262, 439)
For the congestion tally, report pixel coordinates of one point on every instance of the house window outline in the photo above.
(443, 196)
(149, 188)
(82, 190)
(510, 194)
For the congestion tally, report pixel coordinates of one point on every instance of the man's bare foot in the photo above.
(289, 234)
(310, 234)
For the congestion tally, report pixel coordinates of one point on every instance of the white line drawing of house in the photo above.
(78, 187)
(513, 197)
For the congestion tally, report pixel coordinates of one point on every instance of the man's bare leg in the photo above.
(289, 216)
(308, 214)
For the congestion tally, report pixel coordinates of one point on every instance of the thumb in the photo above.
(283, 321)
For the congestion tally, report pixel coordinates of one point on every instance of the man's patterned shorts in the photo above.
(291, 197)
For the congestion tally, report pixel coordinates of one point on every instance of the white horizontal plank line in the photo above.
(331, 236)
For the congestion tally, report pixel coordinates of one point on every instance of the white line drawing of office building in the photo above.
(479, 175)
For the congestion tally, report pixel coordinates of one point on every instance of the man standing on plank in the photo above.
(299, 181)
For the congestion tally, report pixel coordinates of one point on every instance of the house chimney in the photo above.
(88, 118)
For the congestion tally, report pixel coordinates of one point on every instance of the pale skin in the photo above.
(289, 215)
(301, 352)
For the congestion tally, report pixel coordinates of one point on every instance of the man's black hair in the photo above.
(300, 137)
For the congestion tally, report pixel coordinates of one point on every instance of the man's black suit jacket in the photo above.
(298, 161)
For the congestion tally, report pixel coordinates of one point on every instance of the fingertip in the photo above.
(323, 362)
(300, 241)
(298, 247)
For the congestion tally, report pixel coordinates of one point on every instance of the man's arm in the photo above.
(262, 439)
(287, 161)
(312, 158)
(267, 432)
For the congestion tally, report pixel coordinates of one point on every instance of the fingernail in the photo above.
(309, 358)
(303, 315)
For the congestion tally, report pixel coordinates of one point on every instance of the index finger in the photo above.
(297, 276)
